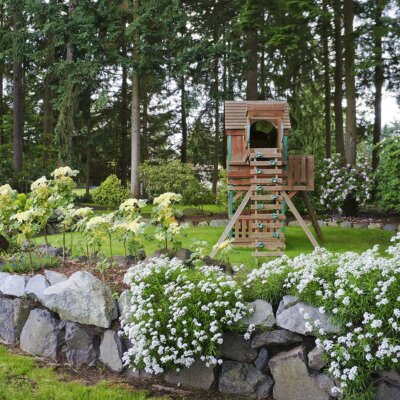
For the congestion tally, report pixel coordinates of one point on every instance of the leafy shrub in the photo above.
(222, 190)
(361, 292)
(110, 193)
(339, 183)
(21, 263)
(388, 174)
(173, 176)
(176, 314)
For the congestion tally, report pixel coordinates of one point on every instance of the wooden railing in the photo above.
(300, 173)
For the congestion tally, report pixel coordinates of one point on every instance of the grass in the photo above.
(22, 379)
(336, 240)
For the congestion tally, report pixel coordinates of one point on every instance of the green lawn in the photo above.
(336, 240)
(22, 379)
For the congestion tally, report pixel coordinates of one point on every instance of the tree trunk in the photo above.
(2, 108)
(251, 72)
(70, 56)
(145, 118)
(338, 96)
(48, 118)
(378, 80)
(124, 124)
(327, 82)
(18, 117)
(215, 174)
(135, 114)
(183, 119)
(89, 143)
(349, 72)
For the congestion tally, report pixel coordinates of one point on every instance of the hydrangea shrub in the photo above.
(177, 314)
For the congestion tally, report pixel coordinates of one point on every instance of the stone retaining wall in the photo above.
(76, 320)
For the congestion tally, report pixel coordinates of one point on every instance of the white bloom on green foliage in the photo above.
(132, 205)
(39, 183)
(167, 198)
(7, 190)
(23, 216)
(64, 172)
(83, 212)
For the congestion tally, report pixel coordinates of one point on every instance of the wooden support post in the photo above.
(232, 221)
(313, 216)
(300, 220)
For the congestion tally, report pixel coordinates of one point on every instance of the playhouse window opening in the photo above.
(263, 134)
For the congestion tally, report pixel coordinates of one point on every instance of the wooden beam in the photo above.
(232, 221)
(300, 220)
(313, 216)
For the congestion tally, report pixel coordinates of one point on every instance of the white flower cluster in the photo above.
(340, 182)
(177, 314)
(360, 291)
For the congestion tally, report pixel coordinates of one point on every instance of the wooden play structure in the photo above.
(263, 178)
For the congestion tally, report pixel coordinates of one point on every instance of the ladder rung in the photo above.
(267, 171)
(265, 181)
(270, 245)
(265, 197)
(266, 163)
(267, 207)
(267, 236)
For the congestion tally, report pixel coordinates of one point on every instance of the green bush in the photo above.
(173, 176)
(388, 175)
(222, 190)
(111, 193)
(20, 263)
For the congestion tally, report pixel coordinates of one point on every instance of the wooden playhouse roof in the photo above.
(236, 112)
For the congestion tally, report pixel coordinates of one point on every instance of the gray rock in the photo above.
(111, 350)
(345, 224)
(262, 316)
(280, 337)
(41, 334)
(235, 347)
(244, 380)
(3, 276)
(197, 376)
(316, 359)
(387, 392)
(286, 302)
(13, 315)
(219, 222)
(327, 384)
(82, 298)
(123, 301)
(398, 228)
(333, 224)
(81, 346)
(202, 223)
(47, 249)
(262, 359)
(292, 380)
(183, 255)
(392, 377)
(36, 286)
(292, 320)
(375, 226)
(360, 225)
(54, 277)
(389, 227)
(322, 223)
(14, 285)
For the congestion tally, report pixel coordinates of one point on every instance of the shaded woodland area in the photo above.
(82, 81)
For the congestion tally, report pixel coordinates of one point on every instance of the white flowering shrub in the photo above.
(177, 314)
(361, 292)
(340, 182)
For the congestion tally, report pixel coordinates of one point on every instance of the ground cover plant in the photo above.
(22, 379)
(360, 291)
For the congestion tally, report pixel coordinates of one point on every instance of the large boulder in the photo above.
(41, 334)
(387, 392)
(13, 315)
(54, 277)
(235, 347)
(197, 376)
(292, 380)
(279, 337)
(82, 298)
(286, 302)
(13, 285)
(316, 359)
(262, 316)
(36, 286)
(111, 350)
(244, 380)
(82, 344)
(124, 301)
(293, 320)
